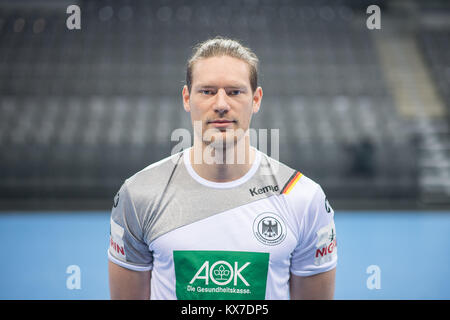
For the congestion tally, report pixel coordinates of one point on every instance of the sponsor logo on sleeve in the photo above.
(116, 246)
(326, 246)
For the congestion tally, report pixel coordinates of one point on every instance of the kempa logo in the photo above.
(269, 228)
(255, 192)
(326, 246)
(327, 206)
(221, 273)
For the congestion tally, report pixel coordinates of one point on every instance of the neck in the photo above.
(222, 164)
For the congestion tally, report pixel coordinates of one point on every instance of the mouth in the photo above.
(220, 123)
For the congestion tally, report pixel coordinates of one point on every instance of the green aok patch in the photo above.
(221, 275)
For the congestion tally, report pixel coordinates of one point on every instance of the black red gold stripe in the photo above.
(291, 182)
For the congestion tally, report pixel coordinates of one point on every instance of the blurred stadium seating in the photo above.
(81, 110)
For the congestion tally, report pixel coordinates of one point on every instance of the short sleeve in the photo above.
(316, 250)
(127, 247)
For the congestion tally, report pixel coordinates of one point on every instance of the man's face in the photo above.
(221, 98)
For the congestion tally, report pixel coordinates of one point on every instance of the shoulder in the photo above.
(303, 186)
(294, 184)
(152, 179)
(302, 195)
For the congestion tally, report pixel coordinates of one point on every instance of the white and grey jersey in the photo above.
(232, 240)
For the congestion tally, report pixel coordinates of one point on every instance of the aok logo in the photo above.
(221, 273)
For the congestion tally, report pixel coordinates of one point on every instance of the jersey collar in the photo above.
(221, 185)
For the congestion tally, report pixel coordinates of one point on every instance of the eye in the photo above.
(234, 92)
(206, 92)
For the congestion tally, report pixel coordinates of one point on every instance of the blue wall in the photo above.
(411, 250)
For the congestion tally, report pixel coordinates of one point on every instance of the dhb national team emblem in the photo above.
(269, 228)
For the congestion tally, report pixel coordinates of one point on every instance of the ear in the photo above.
(186, 96)
(257, 98)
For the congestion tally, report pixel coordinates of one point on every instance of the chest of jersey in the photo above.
(231, 253)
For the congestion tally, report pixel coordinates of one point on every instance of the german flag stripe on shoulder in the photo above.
(291, 182)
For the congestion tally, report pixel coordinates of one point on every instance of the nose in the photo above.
(221, 105)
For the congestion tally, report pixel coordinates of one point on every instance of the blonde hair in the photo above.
(218, 47)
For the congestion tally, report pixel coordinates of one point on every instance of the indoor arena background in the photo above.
(363, 111)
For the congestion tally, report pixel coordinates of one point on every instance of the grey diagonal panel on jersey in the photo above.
(166, 197)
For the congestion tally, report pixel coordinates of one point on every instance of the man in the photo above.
(221, 220)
